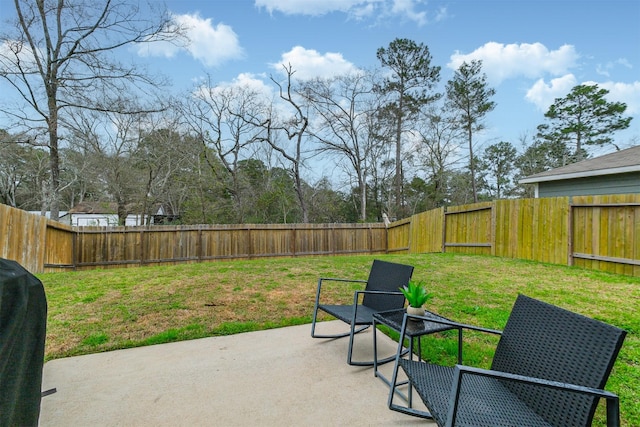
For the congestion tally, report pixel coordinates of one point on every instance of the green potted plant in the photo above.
(417, 296)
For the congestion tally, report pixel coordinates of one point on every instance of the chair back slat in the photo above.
(548, 342)
(386, 276)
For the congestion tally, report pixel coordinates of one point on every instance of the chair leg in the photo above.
(350, 361)
(394, 383)
(313, 321)
(408, 410)
(342, 335)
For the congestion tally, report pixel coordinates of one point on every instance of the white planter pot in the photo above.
(416, 311)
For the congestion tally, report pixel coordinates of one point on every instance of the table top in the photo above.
(394, 318)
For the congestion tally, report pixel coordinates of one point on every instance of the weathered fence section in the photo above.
(128, 246)
(425, 231)
(606, 233)
(597, 232)
(469, 229)
(399, 234)
(60, 246)
(532, 229)
(22, 237)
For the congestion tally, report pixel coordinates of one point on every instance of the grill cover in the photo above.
(23, 319)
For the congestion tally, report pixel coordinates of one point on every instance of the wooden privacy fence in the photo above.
(23, 237)
(597, 232)
(124, 246)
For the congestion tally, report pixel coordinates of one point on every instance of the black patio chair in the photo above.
(549, 369)
(381, 293)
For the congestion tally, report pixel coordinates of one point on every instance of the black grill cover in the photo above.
(23, 319)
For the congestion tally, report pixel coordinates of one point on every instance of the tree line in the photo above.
(88, 128)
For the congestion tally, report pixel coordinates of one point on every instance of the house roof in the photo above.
(90, 207)
(47, 214)
(102, 208)
(622, 161)
(93, 207)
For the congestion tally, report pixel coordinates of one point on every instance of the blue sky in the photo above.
(533, 50)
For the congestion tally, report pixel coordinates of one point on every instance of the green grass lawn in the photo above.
(101, 310)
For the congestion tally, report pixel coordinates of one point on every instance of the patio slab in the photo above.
(277, 377)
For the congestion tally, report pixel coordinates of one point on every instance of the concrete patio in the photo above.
(278, 377)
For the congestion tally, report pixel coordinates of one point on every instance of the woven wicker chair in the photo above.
(549, 369)
(380, 294)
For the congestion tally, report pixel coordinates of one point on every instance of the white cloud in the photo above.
(361, 12)
(244, 87)
(309, 63)
(501, 62)
(624, 62)
(248, 81)
(629, 93)
(210, 44)
(357, 9)
(252, 82)
(440, 15)
(542, 95)
(606, 68)
(603, 70)
(407, 8)
(12, 51)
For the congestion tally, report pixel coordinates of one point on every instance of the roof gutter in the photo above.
(582, 174)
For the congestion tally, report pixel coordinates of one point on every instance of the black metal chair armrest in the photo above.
(463, 369)
(457, 325)
(333, 280)
(357, 294)
(613, 404)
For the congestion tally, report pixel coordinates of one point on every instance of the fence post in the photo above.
(494, 207)
(386, 238)
(199, 244)
(142, 247)
(294, 236)
(74, 246)
(444, 229)
(333, 239)
(570, 232)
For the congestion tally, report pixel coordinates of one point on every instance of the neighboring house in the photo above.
(98, 214)
(47, 214)
(165, 215)
(615, 173)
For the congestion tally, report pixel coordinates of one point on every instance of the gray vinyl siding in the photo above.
(625, 183)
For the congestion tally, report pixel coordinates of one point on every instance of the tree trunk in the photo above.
(122, 213)
(398, 180)
(363, 200)
(54, 161)
(472, 168)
